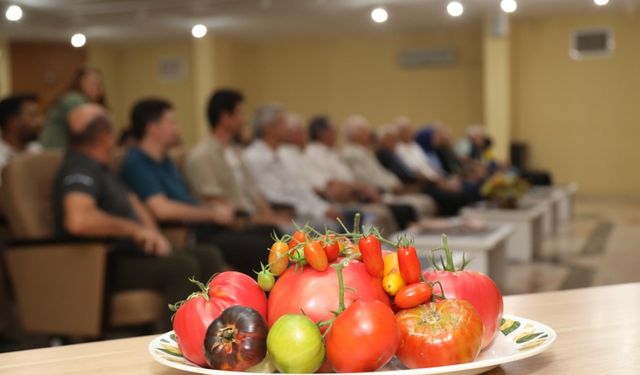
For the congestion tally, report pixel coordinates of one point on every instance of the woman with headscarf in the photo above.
(86, 87)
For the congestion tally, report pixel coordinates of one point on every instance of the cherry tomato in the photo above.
(266, 280)
(391, 263)
(392, 282)
(332, 248)
(298, 237)
(413, 295)
(363, 338)
(444, 333)
(236, 340)
(371, 250)
(315, 256)
(409, 264)
(278, 258)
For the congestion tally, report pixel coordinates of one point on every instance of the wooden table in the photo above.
(526, 241)
(486, 249)
(598, 333)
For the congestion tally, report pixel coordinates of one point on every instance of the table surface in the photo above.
(598, 333)
(527, 213)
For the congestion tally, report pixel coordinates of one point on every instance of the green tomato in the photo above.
(295, 344)
(266, 280)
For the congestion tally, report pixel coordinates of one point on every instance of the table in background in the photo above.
(486, 248)
(526, 241)
(598, 333)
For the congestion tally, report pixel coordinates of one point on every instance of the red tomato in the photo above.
(409, 264)
(363, 338)
(371, 250)
(315, 256)
(234, 288)
(444, 333)
(190, 324)
(412, 295)
(297, 237)
(332, 248)
(316, 293)
(476, 288)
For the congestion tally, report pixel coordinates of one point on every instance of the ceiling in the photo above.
(144, 19)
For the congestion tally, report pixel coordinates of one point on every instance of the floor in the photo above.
(599, 247)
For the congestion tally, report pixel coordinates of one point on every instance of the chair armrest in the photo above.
(17, 242)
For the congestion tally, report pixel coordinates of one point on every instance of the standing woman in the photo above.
(86, 87)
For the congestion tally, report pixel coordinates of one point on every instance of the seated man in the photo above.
(89, 201)
(273, 178)
(150, 172)
(447, 201)
(366, 169)
(215, 171)
(20, 124)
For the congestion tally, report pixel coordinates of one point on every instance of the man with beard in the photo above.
(20, 121)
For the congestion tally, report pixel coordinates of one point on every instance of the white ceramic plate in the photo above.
(518, 338)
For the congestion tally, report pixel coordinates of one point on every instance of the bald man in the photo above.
(89, 201)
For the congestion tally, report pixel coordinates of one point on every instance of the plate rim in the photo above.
(483, 364)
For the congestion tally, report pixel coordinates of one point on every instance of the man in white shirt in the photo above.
(20, 121)
(271, 174)
(366, 169)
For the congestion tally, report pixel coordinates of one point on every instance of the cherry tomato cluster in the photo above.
(338, 301)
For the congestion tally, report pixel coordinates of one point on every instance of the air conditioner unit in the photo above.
(590, 43)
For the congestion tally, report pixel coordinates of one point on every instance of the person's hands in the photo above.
(223, 214)
(152, 242)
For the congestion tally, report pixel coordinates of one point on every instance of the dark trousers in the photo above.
(448, 202)
(243, 249)
(130, 268)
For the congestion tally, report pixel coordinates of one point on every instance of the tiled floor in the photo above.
(601, 246)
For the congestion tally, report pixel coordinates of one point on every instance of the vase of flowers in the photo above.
(504, 190)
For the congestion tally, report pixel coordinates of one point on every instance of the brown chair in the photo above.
(60, 285)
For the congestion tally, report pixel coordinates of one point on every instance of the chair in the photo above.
(59, 285)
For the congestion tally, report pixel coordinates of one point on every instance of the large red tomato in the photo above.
(194, 316)
(190, 324)
(363, 338)
(316, 293)
(234, 288)
(476, 288)
(445, 333)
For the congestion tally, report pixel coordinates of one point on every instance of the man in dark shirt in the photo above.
(89, 201)
(151, 173)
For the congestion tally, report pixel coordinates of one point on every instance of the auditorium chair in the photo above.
(59, 285)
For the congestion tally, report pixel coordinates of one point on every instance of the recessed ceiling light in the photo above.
(198, 31)
(379, 15)
(601, 2)
(78, 40)
(509, 6)
(455, 9)
(13, 13)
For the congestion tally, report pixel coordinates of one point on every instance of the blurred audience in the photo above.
(86, 87)
(152, 174)
(272, 176)
(214, 168)
(359, 155)
(89, 201)
(20, 123)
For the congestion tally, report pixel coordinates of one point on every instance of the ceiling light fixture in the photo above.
(78, 40)
(199, 31)
(13, 13)
(455, 9)
(601, 2)
(509, 6)
(379, 15)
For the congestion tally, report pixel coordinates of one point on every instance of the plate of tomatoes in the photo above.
(338, 302)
